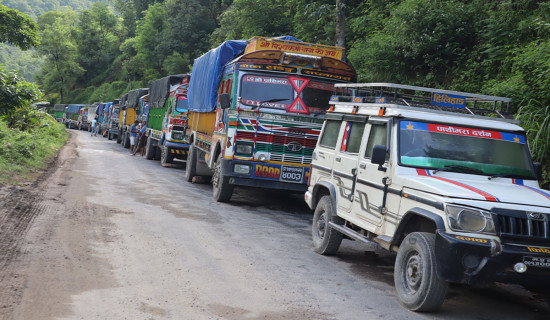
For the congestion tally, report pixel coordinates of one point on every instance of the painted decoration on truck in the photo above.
(462, 131)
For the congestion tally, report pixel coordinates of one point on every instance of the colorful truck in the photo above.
(112, 120)
(102, 112)
(85, 116)
(167, 119)
(59, 111)
(73, 111)
(129, 105)
(256, 108)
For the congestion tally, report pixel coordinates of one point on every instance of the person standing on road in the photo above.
(94, 127)
(141, 140)
(133, 135)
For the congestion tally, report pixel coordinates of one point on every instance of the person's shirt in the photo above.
(133, 131)
(142, 130)
(93, 123)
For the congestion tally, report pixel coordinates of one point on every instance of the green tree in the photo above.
(423, 42)
(60, 70)
(17, 28)
(243, 20)
(149, 41)
(97, 39)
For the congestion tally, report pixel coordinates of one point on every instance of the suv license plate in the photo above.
(292, 174)
(537, 262)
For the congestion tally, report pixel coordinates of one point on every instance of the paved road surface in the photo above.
(111, 236)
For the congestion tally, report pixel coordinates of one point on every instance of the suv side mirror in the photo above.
(379, 156)
(538, 170)
(225, 101)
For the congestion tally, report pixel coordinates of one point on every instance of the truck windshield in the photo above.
(290, 93)
(464, 149)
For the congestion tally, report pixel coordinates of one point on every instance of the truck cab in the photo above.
(433, 175)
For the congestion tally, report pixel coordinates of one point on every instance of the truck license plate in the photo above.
(292, 174)
(537, 262)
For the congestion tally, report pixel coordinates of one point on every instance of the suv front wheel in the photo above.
(416, 281)
(326, 240)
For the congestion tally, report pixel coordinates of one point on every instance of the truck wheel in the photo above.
(191, 165)
(126, 141)
(415, 276)
(166, 156)
(110, 136)
(326, 240)
(220, 183)
(149, 150)
(118, 138)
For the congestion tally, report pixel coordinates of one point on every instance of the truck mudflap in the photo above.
(266, 175)
(475, 260)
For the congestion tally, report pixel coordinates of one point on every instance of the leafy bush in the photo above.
(23, 152)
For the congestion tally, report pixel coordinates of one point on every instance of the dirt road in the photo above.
(104, 235)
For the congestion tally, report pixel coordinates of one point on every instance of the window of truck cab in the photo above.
(464, 149)
(282, 93)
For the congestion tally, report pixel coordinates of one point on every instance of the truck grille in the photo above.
(522, 226)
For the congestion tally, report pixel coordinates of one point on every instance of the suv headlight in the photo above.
(242, 148)
(469, 219)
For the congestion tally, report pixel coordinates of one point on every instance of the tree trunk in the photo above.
(340, 36)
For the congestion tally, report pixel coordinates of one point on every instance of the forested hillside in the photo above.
(27, 63)
(484, 46)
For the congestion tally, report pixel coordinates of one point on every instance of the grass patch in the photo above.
(23, 154)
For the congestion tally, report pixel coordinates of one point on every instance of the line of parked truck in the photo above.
(432, 175)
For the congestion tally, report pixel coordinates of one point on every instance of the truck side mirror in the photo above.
(225, 101)
(538, 170)
(379, 156)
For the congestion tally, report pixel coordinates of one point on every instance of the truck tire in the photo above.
(222, 190)
(126, 141)
(149, 149)
(166, 156)
(415, 276)
(110, 136)
(326, 240)
(118, 138)
(191, 165)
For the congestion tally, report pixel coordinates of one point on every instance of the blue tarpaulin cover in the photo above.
(74, 108)
(207, 69)
(99, 110)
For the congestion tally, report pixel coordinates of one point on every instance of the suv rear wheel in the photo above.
(415, 275)
(326, 240)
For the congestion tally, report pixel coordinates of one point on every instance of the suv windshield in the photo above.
(294, 94)
(464, 149)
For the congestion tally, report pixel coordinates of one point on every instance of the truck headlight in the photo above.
(243, 148)
(469, 219)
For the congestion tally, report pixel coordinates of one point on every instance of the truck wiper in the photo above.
(458, 168)
(266, 101)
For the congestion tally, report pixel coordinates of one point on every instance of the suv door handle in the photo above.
(362, 166)
(338, 159)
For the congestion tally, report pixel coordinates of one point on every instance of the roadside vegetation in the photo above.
(29, 138)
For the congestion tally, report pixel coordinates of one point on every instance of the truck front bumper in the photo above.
(473, 260)
(265, 175)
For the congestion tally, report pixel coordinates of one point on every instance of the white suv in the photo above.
(430, 174)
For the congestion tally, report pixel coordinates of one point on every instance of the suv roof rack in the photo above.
(422, 97)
